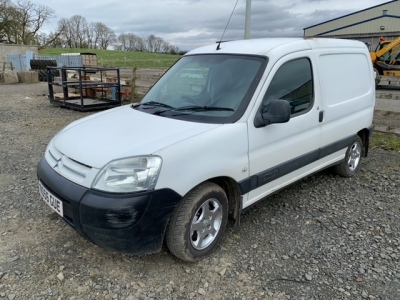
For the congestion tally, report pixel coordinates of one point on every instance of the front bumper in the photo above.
(129, 223)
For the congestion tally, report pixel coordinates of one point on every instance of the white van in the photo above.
(226, 126)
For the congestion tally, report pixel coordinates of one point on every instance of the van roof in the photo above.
(263, 46)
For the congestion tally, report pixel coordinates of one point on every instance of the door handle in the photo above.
(321, 116)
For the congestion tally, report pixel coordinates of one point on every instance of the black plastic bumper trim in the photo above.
(130, 223)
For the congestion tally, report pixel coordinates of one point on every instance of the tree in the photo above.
(78, 29)
(75, 32)
(90, 35)
(6, 20)
(66, 32)
(52, 40)
(3, 19)
(78, 33)
(104, 36)
(158, 44)
(128, 42)
(22, 20)
(151, 43)
(141, 44)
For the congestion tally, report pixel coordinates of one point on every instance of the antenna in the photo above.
(219, 43)
(247, 20)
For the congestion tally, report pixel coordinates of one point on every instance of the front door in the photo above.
(280, 153)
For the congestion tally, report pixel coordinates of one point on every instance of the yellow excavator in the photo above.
(386, 58)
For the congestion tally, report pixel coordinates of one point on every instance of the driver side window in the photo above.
(292, 82)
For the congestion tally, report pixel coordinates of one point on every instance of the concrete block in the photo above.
(10, 76)
(29, 77)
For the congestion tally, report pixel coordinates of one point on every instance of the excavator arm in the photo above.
(395, 44)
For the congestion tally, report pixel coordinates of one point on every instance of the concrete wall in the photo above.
(7, 49)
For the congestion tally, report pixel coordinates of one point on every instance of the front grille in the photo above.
(67, 167)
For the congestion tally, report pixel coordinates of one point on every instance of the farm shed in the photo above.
(366, 25)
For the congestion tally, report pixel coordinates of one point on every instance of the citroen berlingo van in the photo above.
(226, 126)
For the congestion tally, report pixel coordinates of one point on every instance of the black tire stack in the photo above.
(40, 65)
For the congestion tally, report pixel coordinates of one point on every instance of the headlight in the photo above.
(129, 175)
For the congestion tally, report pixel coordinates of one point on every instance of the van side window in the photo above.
(292, 82)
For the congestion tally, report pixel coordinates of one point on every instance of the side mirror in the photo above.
(278, 112)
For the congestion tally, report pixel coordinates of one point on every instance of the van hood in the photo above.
(122, 132)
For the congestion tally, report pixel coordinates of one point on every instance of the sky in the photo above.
(189, 24)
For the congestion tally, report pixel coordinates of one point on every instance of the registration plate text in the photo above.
(55, 203)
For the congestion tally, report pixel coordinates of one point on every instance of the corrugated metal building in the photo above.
(366, 25)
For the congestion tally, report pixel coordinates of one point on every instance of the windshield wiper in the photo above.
(153, 103)
(203, 108)
(190, 108)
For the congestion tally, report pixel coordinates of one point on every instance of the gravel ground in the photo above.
(325, 237)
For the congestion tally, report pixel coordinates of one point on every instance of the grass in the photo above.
(385, 141)
(121, 59)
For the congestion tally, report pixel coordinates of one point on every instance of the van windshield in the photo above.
(205, 88)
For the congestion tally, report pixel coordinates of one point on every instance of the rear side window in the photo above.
(292, 82)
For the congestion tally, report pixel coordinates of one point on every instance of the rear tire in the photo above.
(42, 75)
(351, 163)
(42, 64)
(198, 222)
(377, 77)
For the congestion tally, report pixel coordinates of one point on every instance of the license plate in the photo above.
(54, 203)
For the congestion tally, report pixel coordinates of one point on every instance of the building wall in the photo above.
(366, 25)
(388, 25)
(366, 21)
(7, 49)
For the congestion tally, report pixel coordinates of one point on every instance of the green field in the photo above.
(121, 59)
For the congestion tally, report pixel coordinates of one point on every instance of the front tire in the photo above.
(351, 163)
(198, 222)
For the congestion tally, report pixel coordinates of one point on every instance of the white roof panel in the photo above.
(266, 45)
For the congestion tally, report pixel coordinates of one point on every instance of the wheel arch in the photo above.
(232, 190)
(181, 234)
